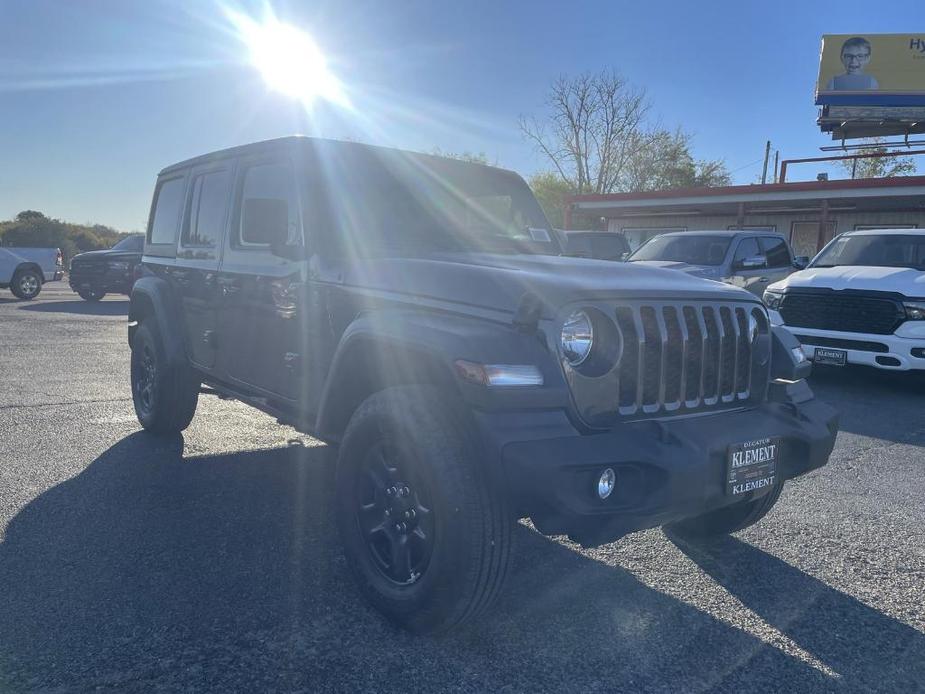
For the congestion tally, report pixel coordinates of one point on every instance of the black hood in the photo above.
(107, 254)
(500, 281)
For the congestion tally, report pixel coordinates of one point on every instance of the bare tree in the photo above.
(599, 138)
(596, 122)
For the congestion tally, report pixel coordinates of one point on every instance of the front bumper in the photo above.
(116, 282)
(895, 352)
(667, 470)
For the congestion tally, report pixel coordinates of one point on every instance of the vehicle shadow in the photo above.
(81, 307)
(857, 391)
(151, 570)
(868, 649)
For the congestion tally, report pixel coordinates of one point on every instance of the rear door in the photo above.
(777, 254)
(195, 273)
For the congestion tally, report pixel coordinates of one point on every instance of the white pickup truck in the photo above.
(25, 270)
(860, 301)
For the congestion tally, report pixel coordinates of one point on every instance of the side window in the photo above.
(206, 216)
(748, 248)
(608, 247)
(268, 193)
(775, 250)
(167, 203)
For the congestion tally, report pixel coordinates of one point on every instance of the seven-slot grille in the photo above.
(853, 313)
(689, 356)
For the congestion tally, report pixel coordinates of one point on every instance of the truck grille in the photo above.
(87, 271)
(690, 356)
(853, 313)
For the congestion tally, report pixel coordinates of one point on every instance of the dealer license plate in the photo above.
(838, 357)
(752, 465)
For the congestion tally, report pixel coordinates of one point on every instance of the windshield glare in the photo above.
(396, 204)
(882, 250)
(695, 250)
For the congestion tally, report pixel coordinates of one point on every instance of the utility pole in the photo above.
(776, 161)
(767, 155)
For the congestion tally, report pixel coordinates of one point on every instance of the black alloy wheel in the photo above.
(394, 515)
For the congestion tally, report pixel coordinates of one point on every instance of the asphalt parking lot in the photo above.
(210, 563)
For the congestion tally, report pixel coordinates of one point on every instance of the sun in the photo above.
(289, 60)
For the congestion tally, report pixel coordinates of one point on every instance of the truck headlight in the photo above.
(915, 310)
(772, 299)
(118, 266)
(577, 337)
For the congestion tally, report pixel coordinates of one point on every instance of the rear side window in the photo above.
(269, 185)
(168, 199)
(609, 247)
(775, 250)
(208, 202)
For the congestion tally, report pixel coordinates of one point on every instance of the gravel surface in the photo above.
(210, 563)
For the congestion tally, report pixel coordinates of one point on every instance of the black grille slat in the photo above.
(653, 356)
(630, 359)
(854, 313)
(743, 352)
(672, 358)
(711, 357)
(728, 366)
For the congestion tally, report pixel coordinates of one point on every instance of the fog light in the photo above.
(799, 356)
(606, 483)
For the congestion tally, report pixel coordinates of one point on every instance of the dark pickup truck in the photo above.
(95, 274)
(417, 314)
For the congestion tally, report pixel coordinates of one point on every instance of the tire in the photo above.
(26, 284)
(91, 294)
(726, 520)
(165, 396)
(405, 451)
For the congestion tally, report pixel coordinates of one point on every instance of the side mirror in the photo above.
(800, 262)
(755, 262)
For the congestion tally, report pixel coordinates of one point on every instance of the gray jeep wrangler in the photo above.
(417, 314)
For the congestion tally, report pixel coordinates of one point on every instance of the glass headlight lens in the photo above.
(915, 310)
(772, 299)
(118, 266)
(577, 336)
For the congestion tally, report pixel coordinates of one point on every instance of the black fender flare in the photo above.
(152, 298)
(400, 347)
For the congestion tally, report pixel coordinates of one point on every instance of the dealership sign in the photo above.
(872, 70)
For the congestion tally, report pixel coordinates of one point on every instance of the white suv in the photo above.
(860, 301)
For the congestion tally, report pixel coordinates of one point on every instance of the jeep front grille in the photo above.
(681, 357)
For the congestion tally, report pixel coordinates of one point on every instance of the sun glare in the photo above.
(289, 60)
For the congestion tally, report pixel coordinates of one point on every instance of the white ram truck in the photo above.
(860, 301)
(25, 270)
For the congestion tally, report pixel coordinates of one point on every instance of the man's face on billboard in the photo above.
(855, 58)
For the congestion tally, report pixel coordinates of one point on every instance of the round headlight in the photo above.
(577, 336)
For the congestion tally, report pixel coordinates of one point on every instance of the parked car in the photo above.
(95, 274)
(602, 245)
(861, 301)
(25, 270)
(748, 259)
(415, 312)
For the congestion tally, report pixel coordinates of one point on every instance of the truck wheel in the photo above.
(91, 294)
(726, 520)
(426, 534)
(165, 396)
(26, 284)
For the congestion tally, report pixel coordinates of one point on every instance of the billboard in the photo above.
(872, 70)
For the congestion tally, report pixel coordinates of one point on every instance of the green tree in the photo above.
(551, 191)
(31, 228)
(878, 167)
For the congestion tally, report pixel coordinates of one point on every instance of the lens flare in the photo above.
(288, 59)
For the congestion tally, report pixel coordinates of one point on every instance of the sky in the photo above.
(97, 97)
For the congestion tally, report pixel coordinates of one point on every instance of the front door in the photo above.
(263, 294)
(749, 267)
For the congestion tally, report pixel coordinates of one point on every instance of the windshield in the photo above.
(399, 204)
(695, 250)
(130, 243)
(881, 250)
